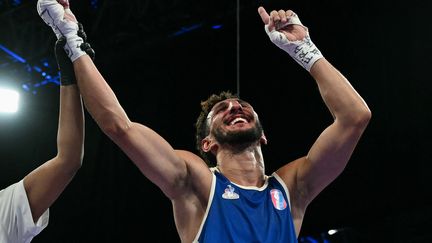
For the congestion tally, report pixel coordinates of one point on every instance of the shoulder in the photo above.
(13, 197)
(196, 165)
(15, 190)
(199, 174)
(193, 161)
(16, 217)
(187, 155)
(290, 174)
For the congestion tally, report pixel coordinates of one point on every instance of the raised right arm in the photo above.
(155, 158)
(174, 172)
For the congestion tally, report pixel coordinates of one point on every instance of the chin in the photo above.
(239, 136)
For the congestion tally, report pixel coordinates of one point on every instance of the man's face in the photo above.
(234, 122)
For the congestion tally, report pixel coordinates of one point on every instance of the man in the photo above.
(234, 201)
(24, 206)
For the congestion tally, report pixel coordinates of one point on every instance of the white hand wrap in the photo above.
(303, 51)
(53, 14)
(73, 41)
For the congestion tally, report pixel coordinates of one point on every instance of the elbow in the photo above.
(70, 163)
(71, 154)
(73, 166)
(114, 127)
(361, 118)
(365, 116)
(76, 165)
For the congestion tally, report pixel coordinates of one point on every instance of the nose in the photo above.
(235, 106)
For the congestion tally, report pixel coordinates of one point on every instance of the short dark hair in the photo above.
(202, 129)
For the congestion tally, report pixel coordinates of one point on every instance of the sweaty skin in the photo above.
(185, 178)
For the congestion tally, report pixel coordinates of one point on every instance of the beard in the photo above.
(239, 139)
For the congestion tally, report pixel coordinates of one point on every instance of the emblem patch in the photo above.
(229, 193)
(278, 200)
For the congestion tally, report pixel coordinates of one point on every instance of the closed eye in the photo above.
(220, 107)
(244, 104)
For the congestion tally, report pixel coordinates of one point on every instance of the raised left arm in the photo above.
(330, 153)
(45, 184)
(328, 156)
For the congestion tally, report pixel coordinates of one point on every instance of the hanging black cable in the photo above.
(238, 47)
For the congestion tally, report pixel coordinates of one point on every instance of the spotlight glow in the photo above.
(8, 101)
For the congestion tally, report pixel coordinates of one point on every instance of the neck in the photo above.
(244, 168)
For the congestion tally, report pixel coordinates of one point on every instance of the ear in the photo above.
(205, 144)
(208, 144)
(263, 139)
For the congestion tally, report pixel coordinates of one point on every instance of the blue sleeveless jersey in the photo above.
(247, 214)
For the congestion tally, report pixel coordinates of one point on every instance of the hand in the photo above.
(85, 46)
(287, 32)
(286, 22)
(64, 64)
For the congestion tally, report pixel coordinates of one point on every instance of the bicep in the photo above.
(154, 157)
(327, 158)
(45, 184)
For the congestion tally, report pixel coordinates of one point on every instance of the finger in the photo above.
(282, 16)
(64, 3)
(88, 49)
(274, 16)
(264, 15)
(81, 32)
(68, 15)
(274, 20)
(289, 13)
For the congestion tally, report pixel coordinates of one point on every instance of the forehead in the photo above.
(228, 101)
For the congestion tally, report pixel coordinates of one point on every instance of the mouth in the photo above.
(238, 120)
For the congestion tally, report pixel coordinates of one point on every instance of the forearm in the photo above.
(332, 150)
(70, 136)
(340, 97)
(45, 184)
(99, 98)
(343, 101)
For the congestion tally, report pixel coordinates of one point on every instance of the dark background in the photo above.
(160, 76)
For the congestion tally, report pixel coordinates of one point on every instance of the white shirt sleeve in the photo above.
(16, 220)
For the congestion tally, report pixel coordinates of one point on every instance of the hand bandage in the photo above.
(73, 47)
(53, 14)
(303, 51)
